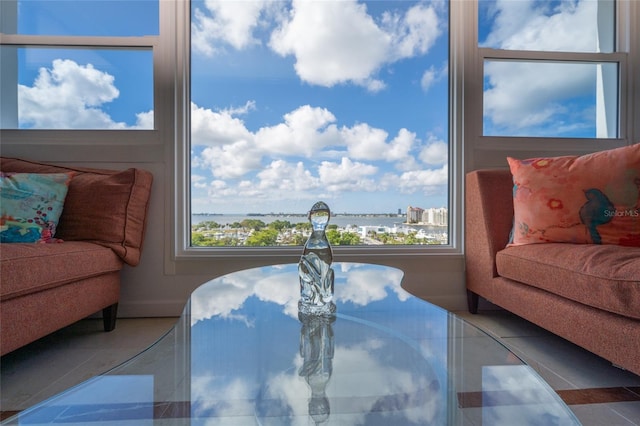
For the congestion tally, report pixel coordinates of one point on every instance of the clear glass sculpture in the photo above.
(314, 268)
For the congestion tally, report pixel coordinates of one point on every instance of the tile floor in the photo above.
(598, 393)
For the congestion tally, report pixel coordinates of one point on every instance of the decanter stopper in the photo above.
(314, 268)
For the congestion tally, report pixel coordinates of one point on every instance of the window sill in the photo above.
(219, 261)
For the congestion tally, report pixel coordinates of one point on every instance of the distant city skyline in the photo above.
(436, 216)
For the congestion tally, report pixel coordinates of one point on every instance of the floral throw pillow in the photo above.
(30, 206)
(590, 199)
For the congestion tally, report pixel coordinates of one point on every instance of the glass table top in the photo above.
(239, 355)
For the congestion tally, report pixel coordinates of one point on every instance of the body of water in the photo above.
(341, 221)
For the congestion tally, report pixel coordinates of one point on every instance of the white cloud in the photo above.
(435, 153)
(304, 131)
(347, 176)
(339, 42)
(368, 143)
(244, 193)
(224, 23)
(522, 95)
(362, 371)
(198, 181)
(432, 76)
(230, 293)
(232, 160)
(365, 142)
(428, 79)
(286, 177)
(401, 146)
(364, 286)
(218, 128)
(144, 120)
(413, 33)
(531, 25)
(219, 189)
(333, 42)
(235, 157)
(427, 181)
(68, 95)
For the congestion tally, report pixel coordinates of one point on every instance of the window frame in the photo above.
(488, 145)
(182, 250)
(617, 58)
(128, 142)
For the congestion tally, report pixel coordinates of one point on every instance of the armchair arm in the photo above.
(488, 223)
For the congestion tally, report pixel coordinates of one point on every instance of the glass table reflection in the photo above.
(239, 355)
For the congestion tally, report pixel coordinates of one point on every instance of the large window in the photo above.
(341, 101)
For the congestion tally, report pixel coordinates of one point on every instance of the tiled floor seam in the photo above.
(570, 397)
(597, 395)
(178, 409)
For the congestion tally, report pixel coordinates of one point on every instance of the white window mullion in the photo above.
(9, 61)
(607, 101)
(179, 225)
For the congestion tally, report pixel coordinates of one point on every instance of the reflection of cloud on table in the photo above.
(373, 373)
(365, 285)
(221, 403)
(222, 296)
(515, 394)
(357, 283)
(362, 384)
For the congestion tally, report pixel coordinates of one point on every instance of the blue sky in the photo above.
(340, 101)
(293, 102)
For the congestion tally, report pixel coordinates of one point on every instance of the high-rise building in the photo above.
(414, 214)
(438, 217)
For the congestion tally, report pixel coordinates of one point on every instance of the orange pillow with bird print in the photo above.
(589, 199)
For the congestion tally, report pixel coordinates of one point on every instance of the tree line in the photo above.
(276, 233)
(256, 233)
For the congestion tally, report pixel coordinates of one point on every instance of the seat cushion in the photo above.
(27, 268)
(602, 276)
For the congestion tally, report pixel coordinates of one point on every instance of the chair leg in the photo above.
(109, 315)
(472, 301)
